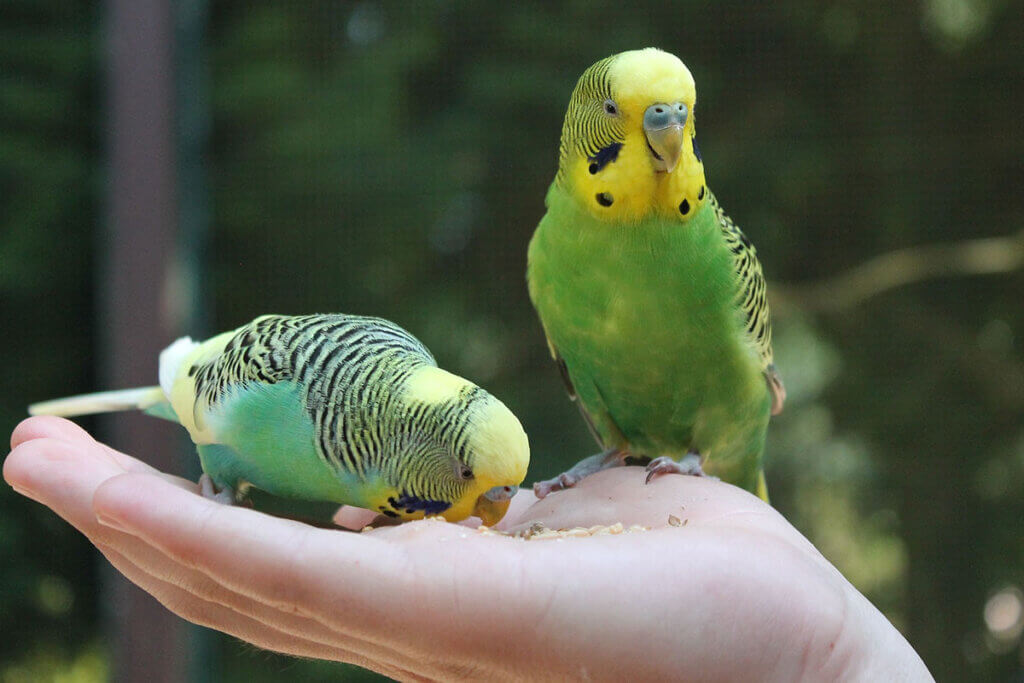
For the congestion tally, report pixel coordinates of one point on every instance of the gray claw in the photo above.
(563, 481)
(688, 464)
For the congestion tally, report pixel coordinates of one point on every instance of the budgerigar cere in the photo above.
(336, 408)
(652, 299)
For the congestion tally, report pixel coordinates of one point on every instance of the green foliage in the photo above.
(392, 158)
(88, 665)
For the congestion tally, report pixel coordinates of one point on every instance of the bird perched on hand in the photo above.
(652, 299)
(334, 408)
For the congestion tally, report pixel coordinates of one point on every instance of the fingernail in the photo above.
(106, 520)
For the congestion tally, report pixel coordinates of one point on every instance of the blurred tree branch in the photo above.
(902, 267)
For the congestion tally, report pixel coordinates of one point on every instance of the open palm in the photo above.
(727, 591)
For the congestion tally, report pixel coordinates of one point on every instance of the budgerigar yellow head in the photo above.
(629, 145)
(468, 452)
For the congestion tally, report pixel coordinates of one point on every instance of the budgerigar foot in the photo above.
(613, 457)
(688, 464)
(541, 489)
(209, 491)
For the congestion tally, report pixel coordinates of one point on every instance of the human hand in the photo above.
(732, 593)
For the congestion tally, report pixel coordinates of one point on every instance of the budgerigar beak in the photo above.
(491, 506)
(663, 126)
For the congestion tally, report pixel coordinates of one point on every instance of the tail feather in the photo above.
(102, 402)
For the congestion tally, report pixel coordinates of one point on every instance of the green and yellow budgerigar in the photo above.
(334, 408)
(652, 299)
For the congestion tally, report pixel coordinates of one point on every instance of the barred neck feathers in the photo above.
(606, 160)
(475, 427)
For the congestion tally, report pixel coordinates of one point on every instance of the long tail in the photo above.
(142, 398)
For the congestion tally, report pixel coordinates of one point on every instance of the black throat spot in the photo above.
(604, 156)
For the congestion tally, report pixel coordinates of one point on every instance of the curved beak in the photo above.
(492, 506)
(663, 126)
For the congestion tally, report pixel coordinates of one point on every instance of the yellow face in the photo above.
(472, 453)
(501, 455)
(628, 143)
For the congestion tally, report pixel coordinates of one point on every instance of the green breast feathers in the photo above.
(652, 299)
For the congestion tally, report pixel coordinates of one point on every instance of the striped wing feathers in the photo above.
(752, 298)
(751, 292)
(327, 355)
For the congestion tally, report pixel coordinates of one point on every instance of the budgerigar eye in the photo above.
(465, 472)
(610, 108)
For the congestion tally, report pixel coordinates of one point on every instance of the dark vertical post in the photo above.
(149, 643)
(193, 128)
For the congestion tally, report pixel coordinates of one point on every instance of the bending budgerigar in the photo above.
(652, 299)
(334, 408)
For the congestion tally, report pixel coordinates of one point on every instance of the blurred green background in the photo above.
(392, 158)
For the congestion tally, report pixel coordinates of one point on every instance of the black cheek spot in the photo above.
(684, 208)
(390, 513)
(604, 199)
(604, 156)
(700, 194)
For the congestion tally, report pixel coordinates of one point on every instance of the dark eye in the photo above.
(610, 108)
(465, 472)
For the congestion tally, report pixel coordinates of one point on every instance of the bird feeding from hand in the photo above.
(336, 408)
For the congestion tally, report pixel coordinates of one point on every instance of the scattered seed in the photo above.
(537, 531)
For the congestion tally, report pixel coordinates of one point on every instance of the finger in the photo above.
(64, 477)
(50, 427)
(351, 517)
(151, 565)
(211, 614)
(278, 562)
(47, 427)
(56, 472)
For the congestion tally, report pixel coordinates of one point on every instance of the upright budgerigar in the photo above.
(336, 408)
(652, 299)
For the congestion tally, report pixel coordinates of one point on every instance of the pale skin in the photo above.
(732, 593)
